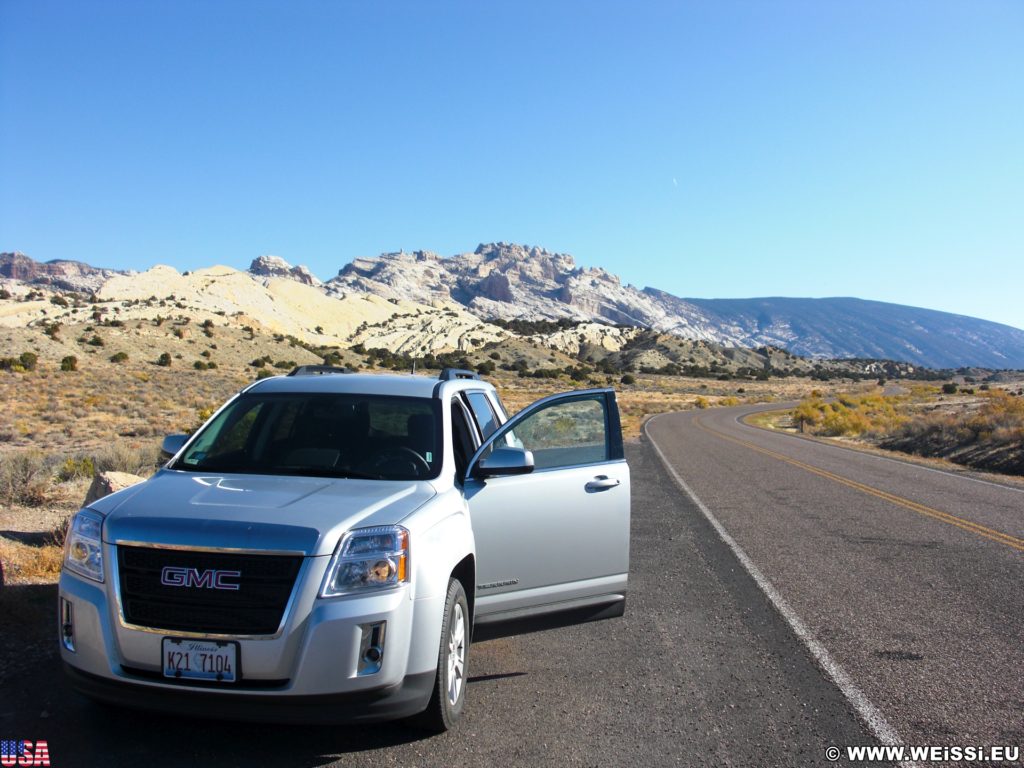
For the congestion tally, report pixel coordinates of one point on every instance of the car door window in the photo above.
(485, 416)
(566, 433)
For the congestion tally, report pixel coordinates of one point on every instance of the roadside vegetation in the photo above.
(979, 427)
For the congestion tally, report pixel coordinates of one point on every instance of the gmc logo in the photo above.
(175, 576)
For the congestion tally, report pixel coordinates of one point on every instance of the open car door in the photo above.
(548, 494)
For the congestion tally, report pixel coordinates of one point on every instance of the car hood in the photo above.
(294, 514)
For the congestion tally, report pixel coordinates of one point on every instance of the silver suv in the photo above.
(326, 545)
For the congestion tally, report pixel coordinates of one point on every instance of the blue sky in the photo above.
(714, 149)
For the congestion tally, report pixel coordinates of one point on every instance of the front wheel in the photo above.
(449, 696)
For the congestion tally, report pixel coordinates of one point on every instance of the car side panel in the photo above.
(545, 537)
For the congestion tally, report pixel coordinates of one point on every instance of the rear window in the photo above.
(321, 435)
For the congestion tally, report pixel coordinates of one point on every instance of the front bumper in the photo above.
(308, 672)
(403, 699)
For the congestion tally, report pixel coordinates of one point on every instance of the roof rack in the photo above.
(317, 370)
(451, 374)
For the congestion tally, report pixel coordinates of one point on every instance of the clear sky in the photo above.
(712, 149)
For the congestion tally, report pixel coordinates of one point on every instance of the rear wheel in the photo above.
(449, 696)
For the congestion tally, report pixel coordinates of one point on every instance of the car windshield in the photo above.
(321, 435)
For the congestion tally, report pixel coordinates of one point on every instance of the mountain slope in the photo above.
(421, 302)
(515, 282)
(848, 327)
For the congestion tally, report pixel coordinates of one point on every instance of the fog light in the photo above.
(371, 648)
(67, 625)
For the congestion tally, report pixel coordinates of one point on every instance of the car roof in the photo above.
(395, 385)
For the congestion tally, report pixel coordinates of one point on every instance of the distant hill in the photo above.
(847, 327)
(421, 302)
(59, 273)
(515, 282)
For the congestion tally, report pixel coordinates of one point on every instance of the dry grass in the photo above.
(30, 564)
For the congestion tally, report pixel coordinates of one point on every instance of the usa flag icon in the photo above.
(12, 748)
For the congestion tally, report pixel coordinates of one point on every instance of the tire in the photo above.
(449, 695)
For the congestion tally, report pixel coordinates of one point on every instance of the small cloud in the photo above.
(674, 182)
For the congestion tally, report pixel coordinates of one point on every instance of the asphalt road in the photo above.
(911, 578)
(702, 670)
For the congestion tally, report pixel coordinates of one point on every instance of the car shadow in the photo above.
(29, 538)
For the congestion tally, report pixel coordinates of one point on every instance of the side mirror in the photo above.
(505, 461)
(171, 445)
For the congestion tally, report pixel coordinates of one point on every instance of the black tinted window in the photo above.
(484, 413)
(324, 435)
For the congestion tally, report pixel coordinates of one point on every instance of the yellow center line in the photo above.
(945, 517)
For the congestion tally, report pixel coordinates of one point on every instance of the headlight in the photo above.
(83, 548)
(368, 558)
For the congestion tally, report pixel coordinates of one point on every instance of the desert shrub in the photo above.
(119, 357)
(700, 402)
(164, 359)
(96, 341)
(69, 363)
(263, 373)
(123, 456)
(199, 365)
(59, 533)
(25, 477)
(75, 468)
(628, 379)
(949, 388)
(848, 415)
(29, 360)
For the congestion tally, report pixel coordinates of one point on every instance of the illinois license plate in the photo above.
(186, 659)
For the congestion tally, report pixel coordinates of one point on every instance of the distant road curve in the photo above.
(909, 579)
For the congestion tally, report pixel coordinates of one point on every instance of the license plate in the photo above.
(186, 659)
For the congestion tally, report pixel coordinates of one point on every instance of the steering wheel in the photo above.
(402, 453)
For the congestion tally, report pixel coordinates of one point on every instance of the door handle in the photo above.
(601, 483)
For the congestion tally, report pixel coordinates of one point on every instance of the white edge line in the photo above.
(903, 462)
(869, 714)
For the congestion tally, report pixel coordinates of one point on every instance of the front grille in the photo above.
(264, 585)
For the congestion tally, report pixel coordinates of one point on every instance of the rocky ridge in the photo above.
(274, 266)
(421, 303)
(59, 274)
(517, 282)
